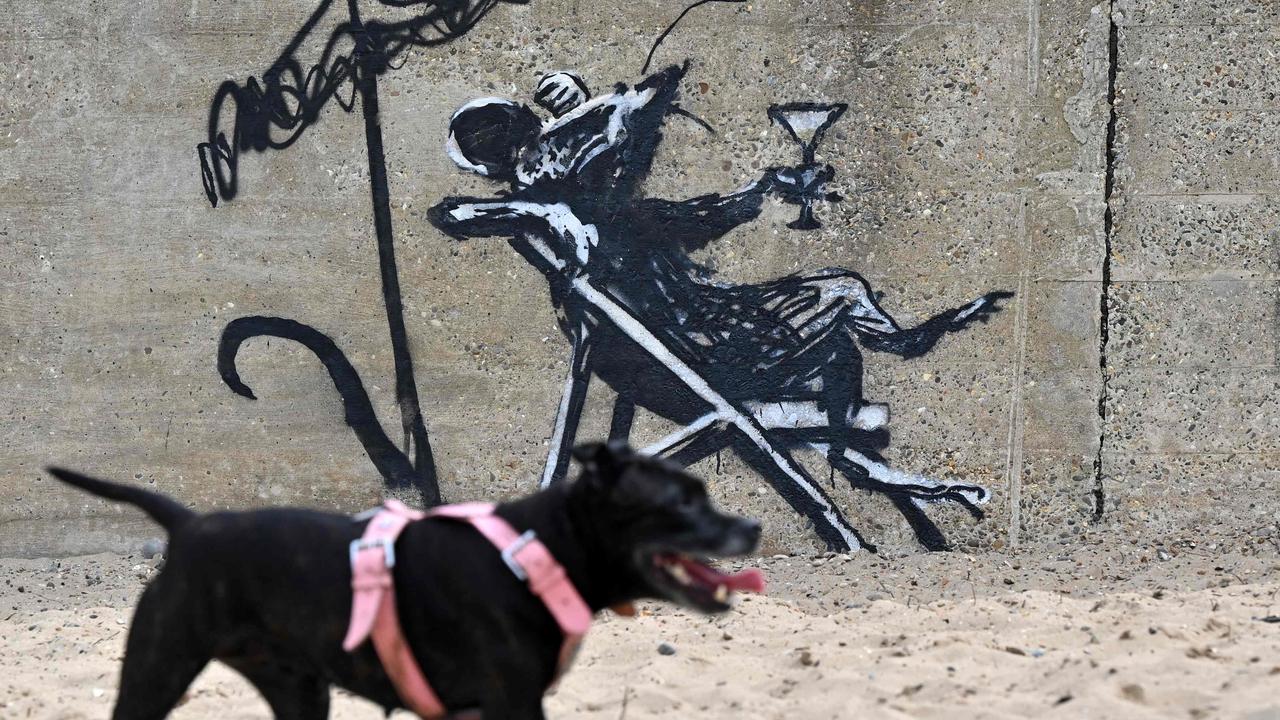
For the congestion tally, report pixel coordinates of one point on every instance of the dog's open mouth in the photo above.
(696, 583)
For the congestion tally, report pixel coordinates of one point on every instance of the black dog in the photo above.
(268, 591)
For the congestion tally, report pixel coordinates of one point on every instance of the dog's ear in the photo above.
(586, 453)
(603, 461)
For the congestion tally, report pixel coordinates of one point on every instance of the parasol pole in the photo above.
(415, 431)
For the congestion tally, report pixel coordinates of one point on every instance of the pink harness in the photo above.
(373, 609)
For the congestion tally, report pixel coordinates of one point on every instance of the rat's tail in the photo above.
(163, 510)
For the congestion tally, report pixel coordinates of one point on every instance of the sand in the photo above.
(929, 636)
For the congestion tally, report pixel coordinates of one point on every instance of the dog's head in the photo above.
(657, 528)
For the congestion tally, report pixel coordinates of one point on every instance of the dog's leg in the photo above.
(292, 693)
(515, 684)
(162, 657)
(502, 705)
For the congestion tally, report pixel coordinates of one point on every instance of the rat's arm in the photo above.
(567, 236)
(697, 221)
(916, 341)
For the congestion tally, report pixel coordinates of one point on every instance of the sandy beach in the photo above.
(927, 636)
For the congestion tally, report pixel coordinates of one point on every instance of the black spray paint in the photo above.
(764, 369)
(271, 114)
(359, 415)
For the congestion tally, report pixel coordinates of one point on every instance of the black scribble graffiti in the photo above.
(764, 369)
(271, 114)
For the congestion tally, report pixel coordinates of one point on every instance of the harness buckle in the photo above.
(388, 549)
(509, 554)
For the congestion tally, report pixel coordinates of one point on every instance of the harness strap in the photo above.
(373, 610)
(532, 562)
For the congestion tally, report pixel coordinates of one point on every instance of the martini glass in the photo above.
(807, 122)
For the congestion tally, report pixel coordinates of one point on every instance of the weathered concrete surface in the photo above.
(1192, 440)
(973, 157)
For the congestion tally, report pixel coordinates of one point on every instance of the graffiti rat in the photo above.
(778, 363)
(784, 355)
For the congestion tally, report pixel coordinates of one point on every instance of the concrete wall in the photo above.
(1125, 395)
(1193, 427)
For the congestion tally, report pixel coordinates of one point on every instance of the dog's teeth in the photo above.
(679, 573)
(722, 593)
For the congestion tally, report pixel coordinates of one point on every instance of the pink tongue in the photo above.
(749, 580)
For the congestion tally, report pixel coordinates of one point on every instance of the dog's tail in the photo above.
(163, 510)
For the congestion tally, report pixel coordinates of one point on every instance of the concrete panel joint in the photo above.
(1109, 187)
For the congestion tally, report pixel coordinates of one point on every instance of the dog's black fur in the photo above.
(268, 592)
